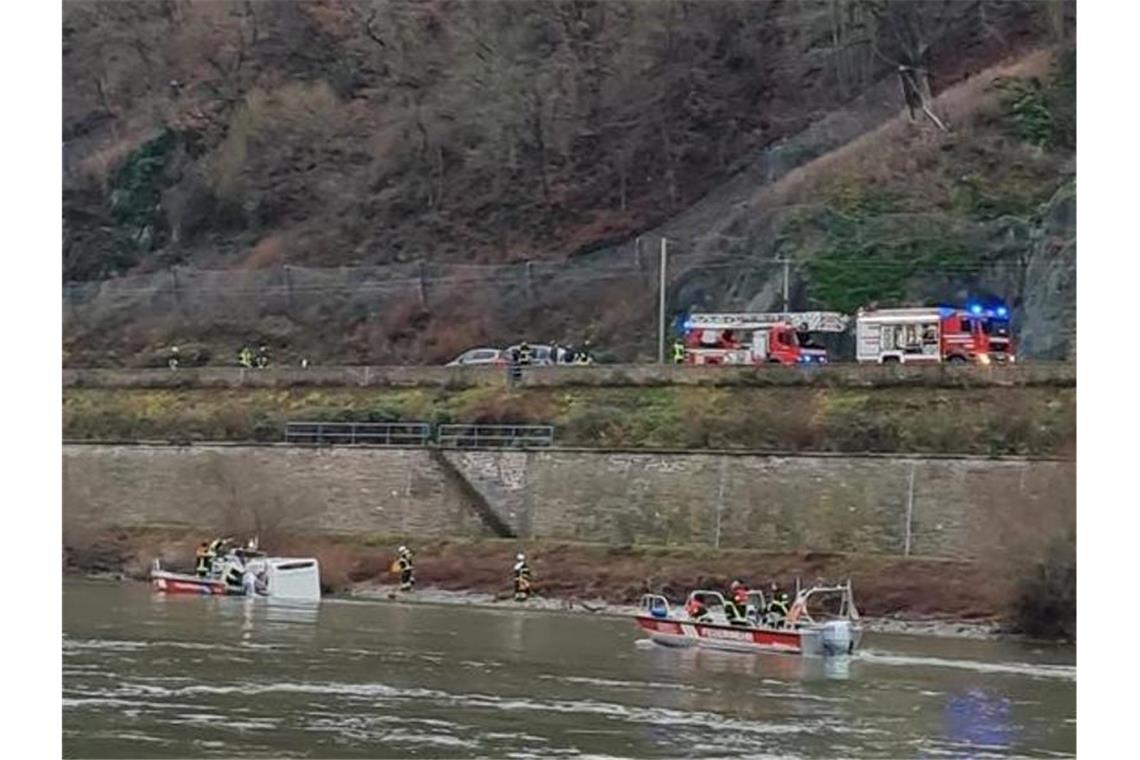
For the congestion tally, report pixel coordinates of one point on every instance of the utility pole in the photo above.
(787, 263)
(661, 307)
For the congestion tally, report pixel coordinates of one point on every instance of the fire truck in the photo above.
(758, 337)
(938, 334)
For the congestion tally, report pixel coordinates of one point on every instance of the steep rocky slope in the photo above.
(259, 139)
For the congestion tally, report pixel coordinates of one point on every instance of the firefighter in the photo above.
(697, 610)
(525, 353)
(173, 361)
(739, 599)
(404, 567)
(262, 356)
(202, 560)
(214, 549)
(521, 572)
(777, 607)
(678, 352)
(245, 357)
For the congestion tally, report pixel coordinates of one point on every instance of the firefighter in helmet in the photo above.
(521, 571)
(525, 354)
(202, 560)
(678, 351)
(738, 600)
(777, 606)
(697, 610)
(404, 567)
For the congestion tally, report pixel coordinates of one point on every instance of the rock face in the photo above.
(1048, 328)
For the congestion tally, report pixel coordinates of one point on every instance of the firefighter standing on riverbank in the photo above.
(404, 568)
(521, 572)
(678, 352)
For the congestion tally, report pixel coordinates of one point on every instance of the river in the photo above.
(152, 676)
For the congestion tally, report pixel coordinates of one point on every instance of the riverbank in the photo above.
(896, 594)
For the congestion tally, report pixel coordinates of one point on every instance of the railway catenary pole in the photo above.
(787, 263)
(661, 305)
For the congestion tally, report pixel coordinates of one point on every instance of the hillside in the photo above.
(379, 172)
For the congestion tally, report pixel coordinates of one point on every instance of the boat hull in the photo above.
(685, 633)
(180, 583)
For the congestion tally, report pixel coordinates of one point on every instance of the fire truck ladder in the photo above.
(803, 321)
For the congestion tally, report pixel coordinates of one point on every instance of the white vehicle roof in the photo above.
(928, 314)
(809, 321)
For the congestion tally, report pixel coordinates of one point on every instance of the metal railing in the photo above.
(495, 435)
(372, 433)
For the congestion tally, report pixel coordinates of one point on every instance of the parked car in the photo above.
(479, 356)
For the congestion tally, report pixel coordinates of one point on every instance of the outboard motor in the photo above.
(837, 637)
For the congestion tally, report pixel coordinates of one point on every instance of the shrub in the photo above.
(1046, 603)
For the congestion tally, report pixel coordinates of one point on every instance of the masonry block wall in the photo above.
(957, 507)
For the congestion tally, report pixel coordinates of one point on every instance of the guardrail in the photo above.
(495, 435)
(418, 434)
(372, 433)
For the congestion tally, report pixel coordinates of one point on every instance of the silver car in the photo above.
(479, 356)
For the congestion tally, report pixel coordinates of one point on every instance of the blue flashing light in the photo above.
(1002, 311)
(976, 308)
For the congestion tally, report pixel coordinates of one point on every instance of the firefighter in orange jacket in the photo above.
(202, 560)
(739, 598)
(404, 568)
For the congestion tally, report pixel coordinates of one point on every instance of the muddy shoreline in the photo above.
(894, 594)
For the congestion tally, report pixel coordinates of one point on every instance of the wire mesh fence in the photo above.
(197, 294)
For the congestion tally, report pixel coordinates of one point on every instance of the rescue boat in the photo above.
(246, 574)
(824, 634)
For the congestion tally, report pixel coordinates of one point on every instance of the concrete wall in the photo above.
(958, 507)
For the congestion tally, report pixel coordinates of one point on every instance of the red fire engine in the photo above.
(937, 334)
(757, 338)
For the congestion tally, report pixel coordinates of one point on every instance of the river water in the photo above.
(152, 676)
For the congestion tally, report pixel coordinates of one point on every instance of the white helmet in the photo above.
(402, 549)
(520, 557)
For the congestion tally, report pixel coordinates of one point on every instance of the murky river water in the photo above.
(149, 676)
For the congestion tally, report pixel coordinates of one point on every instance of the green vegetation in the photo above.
(863, 260)
(1031, 421)
(136, 190)
(1043, 114)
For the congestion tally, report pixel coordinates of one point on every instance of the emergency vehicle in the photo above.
(936, 334)
(757, 337)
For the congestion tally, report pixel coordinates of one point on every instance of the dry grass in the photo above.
(268, 252)
(885, 153)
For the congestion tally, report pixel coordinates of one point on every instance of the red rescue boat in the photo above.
(719, 627)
